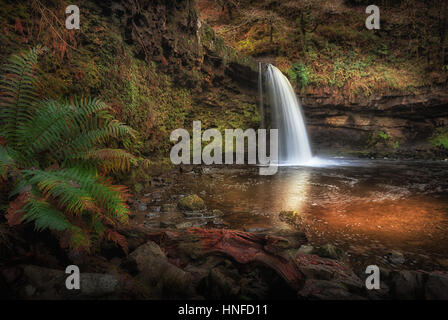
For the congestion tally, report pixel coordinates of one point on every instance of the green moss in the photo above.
(300, 74)
(440, 138)
(191, 203)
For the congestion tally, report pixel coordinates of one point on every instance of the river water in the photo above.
(366, 208)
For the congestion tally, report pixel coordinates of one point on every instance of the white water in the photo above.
(260, 98)
(287, 115)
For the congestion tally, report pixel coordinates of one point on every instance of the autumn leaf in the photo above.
(118, 239)
(14, 213)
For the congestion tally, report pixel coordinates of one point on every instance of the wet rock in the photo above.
(167, 224)
(317, 272)
(151, 215)
(152, 268)
(11, 274)
(142, 207)
(98, 285)
(193, 214)
(217, 213)
(436, 287)
(168, 207)
(406, 285)
(146, 200)
(395, 257)
(191, 203)
(292, 217)
(184, 225)
(326, 290)
(443, 262)
(218, 221)
(156, 208)
(255, 229)
(329, 251)
(45, 283)
(221, 284)
(30, 290)
(315, 267)
(186, 168)
(138, 187)
(306, 249)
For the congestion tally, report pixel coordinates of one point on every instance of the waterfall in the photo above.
(260, 93)
(287, 116)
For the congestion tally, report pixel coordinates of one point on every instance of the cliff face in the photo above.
(407, 121)
(155, 62)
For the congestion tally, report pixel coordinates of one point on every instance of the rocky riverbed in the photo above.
(213, 233)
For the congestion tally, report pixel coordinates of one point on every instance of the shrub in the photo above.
(54, 160)
(300, 74)
(440, 138)
(379, 137)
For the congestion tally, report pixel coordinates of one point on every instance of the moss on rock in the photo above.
(191, 203)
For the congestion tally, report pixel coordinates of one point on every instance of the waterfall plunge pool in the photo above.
(367, 208)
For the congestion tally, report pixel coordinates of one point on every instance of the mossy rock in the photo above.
(191, 203)
(138, 187)
(290, 216)
(329, 251)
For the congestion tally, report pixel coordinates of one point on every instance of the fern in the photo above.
(58, 151)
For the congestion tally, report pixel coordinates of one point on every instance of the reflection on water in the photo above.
(367, 208)
(293, 190)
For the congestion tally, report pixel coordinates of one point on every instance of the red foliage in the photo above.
(118, 239)
(14, 213)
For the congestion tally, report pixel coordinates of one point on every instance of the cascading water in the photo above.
(287, 116)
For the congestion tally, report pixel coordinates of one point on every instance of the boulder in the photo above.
(45, 283)
(395, 257)
(436, 287)
(326, 290)
(151, 268)
(329, 251)
(306, 249)
(191, 203)
(406, 285)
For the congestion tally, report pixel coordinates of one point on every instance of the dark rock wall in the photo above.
(407, 119)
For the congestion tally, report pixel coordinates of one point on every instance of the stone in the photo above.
(436, 287)
(168, 207)
(98, 285)
(167, 224)
(142, 207)
(184, 225)
(326, 290)
(30, 290)
(45, 283)
(156, 208)
(406, 285)
(138, 187)
(329, 251)
(306, 249)
(217, 213)
(151, 215)
(152, 268)
(317, 272)
(191, 203)
(395, 257)
(221, 284)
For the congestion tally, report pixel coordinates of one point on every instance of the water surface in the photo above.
(365, 207)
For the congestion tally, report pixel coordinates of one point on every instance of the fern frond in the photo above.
(72, 127)
(107, 160)
(6, 162)
(68, 193)
(45, 216)
(18, 96)
(80, 191)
